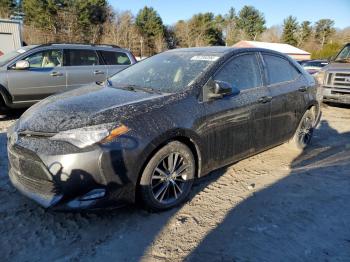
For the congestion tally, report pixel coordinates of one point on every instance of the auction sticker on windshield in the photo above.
(204, 58)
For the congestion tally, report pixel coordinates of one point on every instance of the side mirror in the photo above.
(219, 89)
(330, 59)
(22, 65)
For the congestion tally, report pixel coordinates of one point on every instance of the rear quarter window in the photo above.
(115, 58)
(279, 69)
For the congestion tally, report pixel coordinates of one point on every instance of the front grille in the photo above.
(338, 80)
(25, 162)
(28, 170)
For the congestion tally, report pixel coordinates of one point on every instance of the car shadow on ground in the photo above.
(70, 231)
(302, 217)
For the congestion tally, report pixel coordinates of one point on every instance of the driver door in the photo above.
(45, 76)
(236, 126)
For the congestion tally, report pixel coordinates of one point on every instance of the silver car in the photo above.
(32, 73)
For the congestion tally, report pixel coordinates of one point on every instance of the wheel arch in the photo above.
(183, 136)
(5, 96)
(315, 108)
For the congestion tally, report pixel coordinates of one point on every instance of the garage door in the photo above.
(6, 43)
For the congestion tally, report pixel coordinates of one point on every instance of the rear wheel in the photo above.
(168, 177)
(304, 132)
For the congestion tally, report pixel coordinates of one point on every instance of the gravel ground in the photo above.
(276, 206)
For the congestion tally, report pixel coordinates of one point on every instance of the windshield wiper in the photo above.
(136, 88)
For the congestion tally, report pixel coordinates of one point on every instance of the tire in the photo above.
(3, 108)
(304, 132)
(163, 184)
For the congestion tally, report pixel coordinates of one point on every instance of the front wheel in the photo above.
(168, 177)
(304, 132)
(3, 108)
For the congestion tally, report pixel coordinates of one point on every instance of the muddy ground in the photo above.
(276, 206)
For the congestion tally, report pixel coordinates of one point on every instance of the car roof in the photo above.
(81, 46)
(225, 50)
(209, 49)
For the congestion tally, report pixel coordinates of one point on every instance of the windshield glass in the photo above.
(6, 58)
(168, 72)
(344, 55)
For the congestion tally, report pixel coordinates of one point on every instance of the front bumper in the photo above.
(341, 96)
(71, 180)
(341, 99)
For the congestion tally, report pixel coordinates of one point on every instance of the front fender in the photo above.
(188, 137)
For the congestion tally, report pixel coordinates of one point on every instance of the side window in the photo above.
(242, 72)
(81, 57)
(115, 58)
(45, 59)
(279, 69)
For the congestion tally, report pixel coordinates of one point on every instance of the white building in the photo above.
(10, 35)
(290, 50)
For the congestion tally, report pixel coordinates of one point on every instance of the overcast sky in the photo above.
(274, 11)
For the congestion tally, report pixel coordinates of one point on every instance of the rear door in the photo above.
(83, 67)
(45, 76)
(288, 88)
(115, 61)
(235, 124)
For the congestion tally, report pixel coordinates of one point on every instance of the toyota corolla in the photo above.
(149, 131)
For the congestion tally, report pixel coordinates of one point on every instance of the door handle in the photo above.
(56, 74)
(98, 72)
(302, 89)
(265, 99)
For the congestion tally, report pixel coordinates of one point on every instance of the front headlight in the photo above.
(320, 77)
(87, 136)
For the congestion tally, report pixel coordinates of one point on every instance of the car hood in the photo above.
(87, 106)
(337, 66)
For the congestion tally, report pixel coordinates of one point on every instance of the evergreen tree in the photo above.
(304, 32)
(149, 22)
(205, 30)
(91, 15)
(151, 26)
(42, 13)
(290, 27)
(324, 28)
(91, 12)
(251, 21)
(7, 7)
(230, 29)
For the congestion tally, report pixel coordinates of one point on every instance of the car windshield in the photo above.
(8, 57)
(344, 55)
(168, 72)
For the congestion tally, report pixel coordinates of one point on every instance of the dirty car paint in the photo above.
(219, 132)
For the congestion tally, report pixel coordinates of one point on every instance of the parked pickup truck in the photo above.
(335, 78)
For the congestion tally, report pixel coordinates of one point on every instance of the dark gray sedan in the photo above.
(153, 128)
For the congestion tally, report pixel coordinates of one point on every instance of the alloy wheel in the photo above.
(169, 178)
(305, 131)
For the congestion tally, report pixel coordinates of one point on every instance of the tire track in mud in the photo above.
(212, 201)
